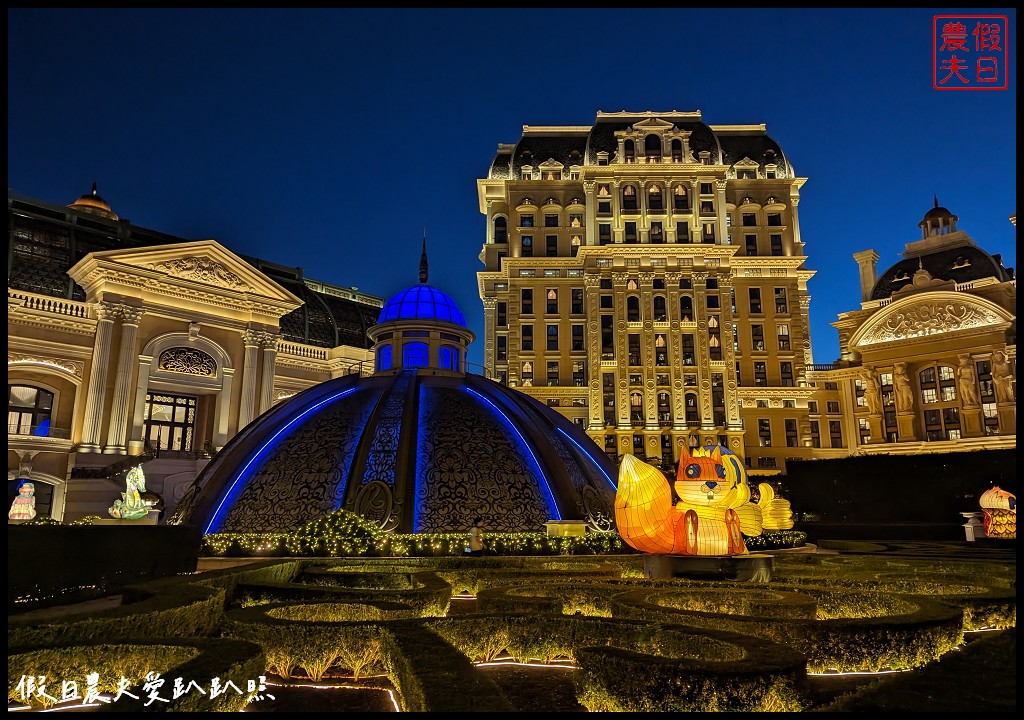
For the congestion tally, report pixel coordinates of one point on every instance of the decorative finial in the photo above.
(423, 259)
(936, 199)
(93, 187)
(920, 263)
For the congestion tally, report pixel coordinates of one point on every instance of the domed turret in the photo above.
(93, 204)
(937, 221)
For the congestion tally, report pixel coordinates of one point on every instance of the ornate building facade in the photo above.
(928, 363)
(646, 277)
(128, 345)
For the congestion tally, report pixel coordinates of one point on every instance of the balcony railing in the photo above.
(41, 430)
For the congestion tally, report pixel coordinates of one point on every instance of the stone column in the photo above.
(96, 394)
(117, 429)
(591, 307)
(251, 340)
(137, 440)
(269, 343)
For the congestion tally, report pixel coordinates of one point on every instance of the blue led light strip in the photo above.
(540, 473)
(256, 455)
(587, 453)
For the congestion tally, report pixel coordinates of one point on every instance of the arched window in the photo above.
(660, 313)
(500, 230)
(677, 150)
(654, 201)
(28, 410)
(681, 199)
(652, 148)
(415, 354)
(685, 308)
(629, 149)
(384, 357)
(629, 197)
(633, 308)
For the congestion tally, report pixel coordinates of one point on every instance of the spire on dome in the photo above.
(423, 259)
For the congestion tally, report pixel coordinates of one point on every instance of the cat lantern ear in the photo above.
(684, 455)
(716, 454)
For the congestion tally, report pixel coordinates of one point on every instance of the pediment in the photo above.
(201, 262)
(653, 125)
(550, 164)
(927, 314)
(746, 162)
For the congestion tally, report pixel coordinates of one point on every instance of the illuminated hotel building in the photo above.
(646, 277)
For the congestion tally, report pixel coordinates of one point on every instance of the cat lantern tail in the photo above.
(643, 507)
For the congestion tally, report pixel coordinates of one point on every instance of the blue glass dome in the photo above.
(422, 302)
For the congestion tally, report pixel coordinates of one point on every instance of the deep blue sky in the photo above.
(329, 139)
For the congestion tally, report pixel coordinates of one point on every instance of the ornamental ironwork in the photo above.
(187, 361)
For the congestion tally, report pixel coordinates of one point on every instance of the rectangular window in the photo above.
(832, 406)
(782, 335)
(835, 433)
(761, 374)
(766, 463)
(634, 349)
(764, 432)
(781, 304)
(713, 301)
(604, 234)
(527, 373)
(607, 337)
(708, 235)
(527, 246)
(755, 300)
(551, 245)
(865, 430)
(757, 337)
(607, 302)
(526, 221)
(527, 341)
(552, 374)
(774, 220)
(501, 352)
(707, 207)
(577, 301)
(815, 434)
(552, 337)
(552, 303)
(751, 243)
(657, 233)
(526, 301)
(786, 373)
(749, 220)
(682, 232)
(812, 406)
(170, 421)
(550, 220)
(776, 244)
(501, 316)
(706, 189)
(689, 354)
(579, 376)
(577, 338)
(629, 235)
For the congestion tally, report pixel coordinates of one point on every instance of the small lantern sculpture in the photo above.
(131, 506)
(24, 506)
(1000, 508)
(714, 509)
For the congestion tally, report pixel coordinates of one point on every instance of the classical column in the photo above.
(269, 343)
(136, 439)
(96, 394)
(251, 339)
(117, 429)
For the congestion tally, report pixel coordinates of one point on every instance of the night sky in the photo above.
(330, 139)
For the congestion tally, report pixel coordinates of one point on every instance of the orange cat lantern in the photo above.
(714, 511)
